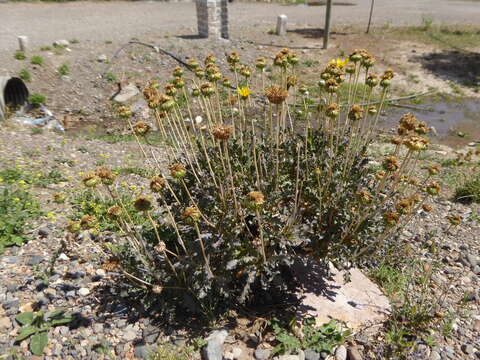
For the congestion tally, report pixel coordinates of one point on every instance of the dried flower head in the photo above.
(142, 203)
(210, 59)
(372, 110)
(170, 89)
(141, 128)
(106, 175)
(331, 85)
(245, 71)
(166, 103)
(88, 221)
(332, 111)
(233, 58)
(364, 196)
(200, 73)
(276, 95)
(157, 183)
(73, 226)
(408, 121)
(391, 218)
(292, 80)
(302, 89)
(193, 64)
(222, 132)
(191, 213)
(380, 174)
(178, 82)
(59, 198)
(422, 128)
(372, 80)
(226, 82)
(355, 113)
(256, 198)
(368, 61)
(350, 69)
(261, 63)
(178, 71)
(396, 141)
(280, 60)
(111, 264)
(426, 207)
(454, 220)
(416, 143)
(90, 179)
(434, 169)
(390, 163)
(433, 189)
(114, 212)
(207, 89)
(124, 111)
(177, 171)
(404, 206)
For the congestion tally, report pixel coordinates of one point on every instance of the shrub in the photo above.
(64, 69)
(37, 99)
(20, 55)
(261, 181)
(469, 192)
(25, 75)
(36, 60)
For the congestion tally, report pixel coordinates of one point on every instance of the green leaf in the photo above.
(25, 332)
(56, 313)
(25, 318)
(64, 320)
(38, 343)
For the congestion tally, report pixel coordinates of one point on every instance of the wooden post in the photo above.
(326, 32)
(370, 18)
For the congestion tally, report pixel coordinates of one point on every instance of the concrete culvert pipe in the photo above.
(13, 93)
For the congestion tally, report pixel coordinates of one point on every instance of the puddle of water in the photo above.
(449, 118)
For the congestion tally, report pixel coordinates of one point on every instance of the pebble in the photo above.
(102, 58)
(311, 355)
(467, 349)
(262, 354)
(341, 353)
(214, 348)
(35, 260)
(63, 257)
(288, 357)
(353, 353)
(5, 323)
(144, 351)
(83, 292)
(434, 355)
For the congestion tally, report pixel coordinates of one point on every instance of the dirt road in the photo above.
(120, 21)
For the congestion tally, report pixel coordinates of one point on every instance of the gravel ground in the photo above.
(101, 314)
(45, 22)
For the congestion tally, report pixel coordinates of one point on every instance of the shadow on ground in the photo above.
(462, 67)
(313, 33)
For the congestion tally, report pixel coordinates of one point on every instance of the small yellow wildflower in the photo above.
(1, 179)
(244, 92)
(339, 62)
(21, 182)
(51, 215)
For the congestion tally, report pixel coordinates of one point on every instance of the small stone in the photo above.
(130, 335)
(35, 260)
(467, 349)
(353, 353)
(5, 323)
(144, 351)
(434, 355)
(127, 93)
(100, 272)
(311, 355)
(61, 43)
(102, 58)
(26, 307)
(63, 257)
(11, 259)
(341, 353)
(262, 354)
(288, 357)
(214, 348)
(43, 232)
(83, 292)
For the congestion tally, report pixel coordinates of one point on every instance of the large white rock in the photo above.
(357, 302)
(128, 92)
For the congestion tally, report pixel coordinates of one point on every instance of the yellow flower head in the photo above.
(339, 62)
(244, 92)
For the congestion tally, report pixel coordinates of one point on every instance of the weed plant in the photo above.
(261, 174)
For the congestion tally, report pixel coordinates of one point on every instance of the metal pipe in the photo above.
(13, 93)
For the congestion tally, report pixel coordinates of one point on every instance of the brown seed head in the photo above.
(157, 183)
(391, 218)
(355, 113)
(142, 203)
(222, 132)
(191, 213)
(177, 171)
(256, 197)
(276, 95)
(141, 128)
(114, 212)
(390, 163)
